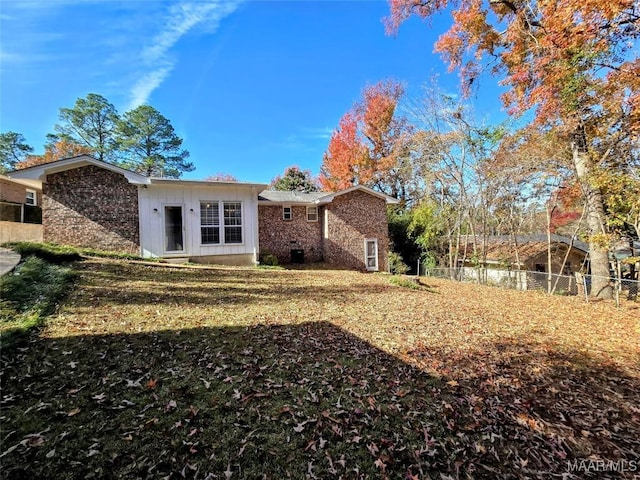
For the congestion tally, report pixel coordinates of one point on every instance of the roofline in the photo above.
(39, 172)
(329, 198)
(535, 238)
(204, 183)
(287, 204)
(29, 184)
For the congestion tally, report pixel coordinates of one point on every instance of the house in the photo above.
(94, 204)
(528, 252)
(20, 210)
(346, 228)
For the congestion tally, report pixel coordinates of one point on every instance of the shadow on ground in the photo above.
(298, 401)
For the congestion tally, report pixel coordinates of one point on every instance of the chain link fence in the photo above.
(525, 280)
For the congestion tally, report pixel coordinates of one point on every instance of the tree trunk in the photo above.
(599, 255)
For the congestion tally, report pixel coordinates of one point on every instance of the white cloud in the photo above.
(318, 133)
(156, 57)
(147, 84)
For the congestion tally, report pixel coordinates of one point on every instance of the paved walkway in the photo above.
(8, 260)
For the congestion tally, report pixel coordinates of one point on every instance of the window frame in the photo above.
(367, 257)
(286, 208)
(35, 198)
(212, 225)
(317, 213)
(223, 225)
(235, 226)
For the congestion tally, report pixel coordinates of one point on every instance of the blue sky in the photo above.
(252, 87)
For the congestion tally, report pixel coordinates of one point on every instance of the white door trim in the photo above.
(371, 260)
(164, 228)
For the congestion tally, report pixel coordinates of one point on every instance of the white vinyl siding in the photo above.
(204, 234)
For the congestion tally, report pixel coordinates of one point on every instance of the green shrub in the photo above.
(396, 265)
(268, 260)
(404, 282)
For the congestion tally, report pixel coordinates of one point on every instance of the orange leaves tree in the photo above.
(56, 149)
(574, 63)
(371, 144)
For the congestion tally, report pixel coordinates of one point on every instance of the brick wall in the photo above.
(91, 207)
(352, 217)
(278, 236)
(12, 192)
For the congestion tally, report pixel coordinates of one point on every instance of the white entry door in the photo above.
(371, 254)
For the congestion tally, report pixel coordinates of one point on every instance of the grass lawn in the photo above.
(158, 372)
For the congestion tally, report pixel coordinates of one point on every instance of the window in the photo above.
(31, 198)
(214, 216)
(312, 214)
(232, 222)
(286, 213)
(209, 223)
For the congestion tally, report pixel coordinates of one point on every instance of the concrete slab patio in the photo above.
(8, 260)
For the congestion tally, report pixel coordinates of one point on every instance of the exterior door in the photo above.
(173, 228)
(371, 254)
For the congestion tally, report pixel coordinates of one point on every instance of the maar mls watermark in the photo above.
(587, 465)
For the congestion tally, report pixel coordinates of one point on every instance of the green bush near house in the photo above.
(268, 259)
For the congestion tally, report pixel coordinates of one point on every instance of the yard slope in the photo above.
(151, 372)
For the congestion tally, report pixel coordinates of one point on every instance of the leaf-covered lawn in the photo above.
(154, 372)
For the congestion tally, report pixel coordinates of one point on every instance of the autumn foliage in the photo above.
(55, 151)
(561, 57)
(368, 143)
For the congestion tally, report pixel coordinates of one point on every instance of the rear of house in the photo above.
(89, 203)
(346, 228)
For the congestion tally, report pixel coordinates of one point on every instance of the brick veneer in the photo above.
(91, 207)
(352, 217)
(12, 192)
(278, 236)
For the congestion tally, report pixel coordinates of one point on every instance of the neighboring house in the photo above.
(523, 262)
(94, 204)
(346, 228)
(530, 253)
(20, 210)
